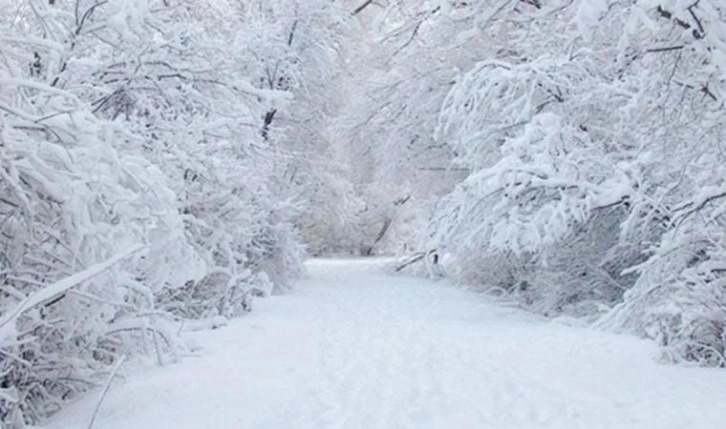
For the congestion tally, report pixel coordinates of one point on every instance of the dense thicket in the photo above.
(141, 150)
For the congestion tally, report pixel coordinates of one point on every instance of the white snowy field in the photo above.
(352, 349)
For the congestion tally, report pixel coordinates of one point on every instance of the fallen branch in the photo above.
(412, 260)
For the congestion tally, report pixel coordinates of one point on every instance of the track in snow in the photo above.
(351, 349)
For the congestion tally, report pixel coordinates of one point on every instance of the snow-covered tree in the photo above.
(298, 47)
(399, 75)
(136, 188)
(587, 143)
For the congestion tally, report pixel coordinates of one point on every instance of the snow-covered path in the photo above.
(351, 349)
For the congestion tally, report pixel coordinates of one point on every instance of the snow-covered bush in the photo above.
(136, 187)
(71, 200)
(589, 144)
(679, 298)
(203, 124)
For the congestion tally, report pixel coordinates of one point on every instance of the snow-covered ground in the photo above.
(352, 349)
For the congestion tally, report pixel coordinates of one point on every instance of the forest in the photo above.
(166, 163)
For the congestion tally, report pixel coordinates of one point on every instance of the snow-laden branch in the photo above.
(54, 290)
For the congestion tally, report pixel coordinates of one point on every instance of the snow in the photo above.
(588, 16)
(352, 348)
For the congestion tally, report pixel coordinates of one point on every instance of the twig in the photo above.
(669, 48)
(702, 31)
(360, 8)
(111, 376)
